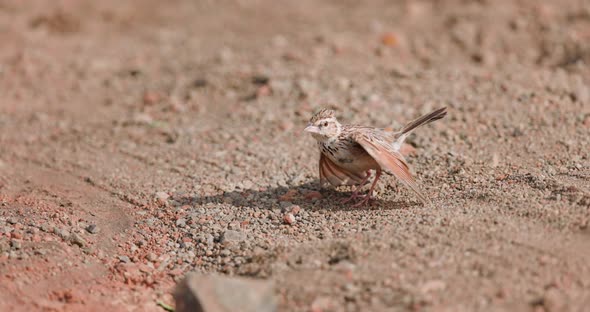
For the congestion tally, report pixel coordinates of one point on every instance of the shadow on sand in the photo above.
(310, 196)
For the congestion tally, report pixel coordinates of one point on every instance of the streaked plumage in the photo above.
(349, 152)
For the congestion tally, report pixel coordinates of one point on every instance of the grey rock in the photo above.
(208, 239)
(124, 259)
(232, 236)
(92, 229)
(45, 228)
(285, 205)
(16, 244)
(199, 293)
(181, 222)
(76, 239)
(64, 234)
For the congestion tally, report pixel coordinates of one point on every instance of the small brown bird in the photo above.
(349, 152)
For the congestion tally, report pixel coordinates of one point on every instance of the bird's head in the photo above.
(324, 126)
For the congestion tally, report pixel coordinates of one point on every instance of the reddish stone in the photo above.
(389, 39)
(263, 91)
(289, 196)
(289, 218)
(313, 195)
(150, 98)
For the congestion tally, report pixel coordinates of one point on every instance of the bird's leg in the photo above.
(369, 196)
(355, 193)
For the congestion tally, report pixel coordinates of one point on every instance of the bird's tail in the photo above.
(420, 121)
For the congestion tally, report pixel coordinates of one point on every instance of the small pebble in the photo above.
(289, 218)
(289, 196)
(233, 236)
(162, 198)
(150, 98)
(199, 83)
(76, 239)
(313, 195)
(124, 259)
(92, 229)
(285, 205)
(63, 234)
(260, 80)
(151, 257)
(181, 222)
(15, 244)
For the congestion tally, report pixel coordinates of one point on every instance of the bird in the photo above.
(348, 153)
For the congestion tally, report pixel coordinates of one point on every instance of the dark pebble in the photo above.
(92, 229)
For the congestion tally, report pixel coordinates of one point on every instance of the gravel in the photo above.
(194, 159)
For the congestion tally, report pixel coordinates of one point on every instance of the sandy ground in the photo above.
(140, 140)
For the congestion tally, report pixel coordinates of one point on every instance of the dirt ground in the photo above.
(141, 140)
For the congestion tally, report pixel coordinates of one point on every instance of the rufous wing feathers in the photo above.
(391, 160)
(337, 175)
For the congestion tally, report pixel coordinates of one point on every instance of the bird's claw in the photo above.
(365, 199)
(354, 196)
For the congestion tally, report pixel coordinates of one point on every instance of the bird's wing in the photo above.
(389, 159)
(336, 175)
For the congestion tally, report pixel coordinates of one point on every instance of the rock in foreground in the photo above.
(214, 293)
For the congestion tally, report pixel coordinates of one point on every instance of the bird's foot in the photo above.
(366, 200)
(352, 197)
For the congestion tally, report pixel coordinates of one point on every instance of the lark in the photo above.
(348, 153)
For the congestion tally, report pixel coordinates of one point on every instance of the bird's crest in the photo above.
(323, 113)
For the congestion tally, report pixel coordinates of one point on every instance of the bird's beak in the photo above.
(312, 129)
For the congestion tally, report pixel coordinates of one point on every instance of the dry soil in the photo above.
(140, 140)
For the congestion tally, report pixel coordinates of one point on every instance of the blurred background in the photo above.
(141, 140)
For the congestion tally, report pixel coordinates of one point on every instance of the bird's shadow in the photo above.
(310, 196)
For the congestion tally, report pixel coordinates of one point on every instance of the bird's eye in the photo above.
(325, 124)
